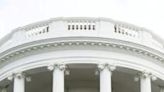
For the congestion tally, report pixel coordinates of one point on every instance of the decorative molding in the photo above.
(81, 43)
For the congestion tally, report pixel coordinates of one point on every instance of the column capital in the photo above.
(101, 67)
(61, 67)
(16, 75)
(19, 75)
(144, 75)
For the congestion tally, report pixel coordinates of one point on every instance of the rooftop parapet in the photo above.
(81, 27)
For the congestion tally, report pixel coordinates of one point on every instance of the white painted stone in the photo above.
(58, 79)
(145, 84)
(19, 83)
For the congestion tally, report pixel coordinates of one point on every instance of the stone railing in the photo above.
(81, 27)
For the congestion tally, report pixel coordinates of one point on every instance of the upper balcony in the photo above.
(81, 27)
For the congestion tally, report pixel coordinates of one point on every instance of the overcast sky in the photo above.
(144, 13)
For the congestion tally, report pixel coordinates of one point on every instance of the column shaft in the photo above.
(105, 80)
(19, 84)
(58, 80)
(145, 84)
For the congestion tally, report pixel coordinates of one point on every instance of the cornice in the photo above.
(36, 48)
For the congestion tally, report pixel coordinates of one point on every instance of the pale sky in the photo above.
(144, 13)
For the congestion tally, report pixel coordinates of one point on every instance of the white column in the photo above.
(19, 83)
(145, 82)
(161, 89)
(105, 77)
(58, 77)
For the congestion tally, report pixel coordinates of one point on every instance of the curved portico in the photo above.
(81, 54)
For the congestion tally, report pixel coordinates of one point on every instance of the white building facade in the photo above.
(81, 55)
